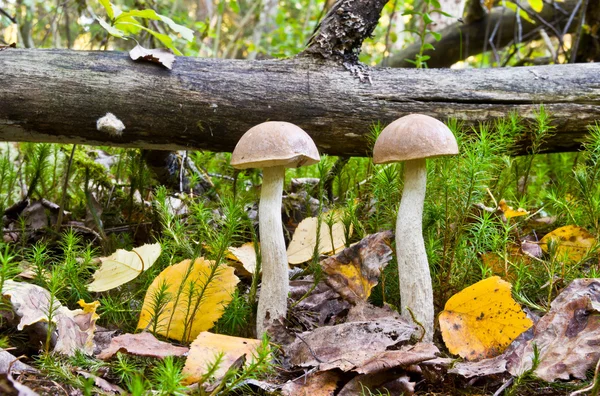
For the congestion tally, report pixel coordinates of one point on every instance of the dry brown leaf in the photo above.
(355, 270)
(405, 356)
(244, 255)
(207, 346)
(303, 243)
(75, 328)
(567, 337)
(155, 55)
(317, 384)
(573, 242)
(347, 345)
(141, 344)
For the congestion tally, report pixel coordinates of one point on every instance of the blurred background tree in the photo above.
(478, 33)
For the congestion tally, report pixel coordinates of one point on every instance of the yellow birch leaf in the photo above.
(482, 320)
(123, 266)
(536, 5)
(573, 242)
(197, 296)
(205, 349)
(303, 243)
(246, 256)
(509, 212)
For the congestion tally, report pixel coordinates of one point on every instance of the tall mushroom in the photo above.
(273, 146)
(413, 139)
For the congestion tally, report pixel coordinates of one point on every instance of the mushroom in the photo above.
(413, 139)
(273, 146)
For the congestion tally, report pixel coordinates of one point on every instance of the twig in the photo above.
(63, 198)
(575, 46)
(412, 315)
(6, 14)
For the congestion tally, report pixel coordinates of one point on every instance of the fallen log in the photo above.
(58, 95)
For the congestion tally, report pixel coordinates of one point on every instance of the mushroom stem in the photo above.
(416, 292)
(272, 303)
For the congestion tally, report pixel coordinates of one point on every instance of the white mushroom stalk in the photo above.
(275, 285)
(416, 292)
(273, 146)
(413, 139)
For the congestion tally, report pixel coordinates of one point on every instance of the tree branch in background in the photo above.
(461, 40)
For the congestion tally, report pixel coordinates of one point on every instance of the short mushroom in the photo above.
(413, 139)
(273, 146)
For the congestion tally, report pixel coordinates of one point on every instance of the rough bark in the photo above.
(340, 34)
(57, 96)
(461, 40)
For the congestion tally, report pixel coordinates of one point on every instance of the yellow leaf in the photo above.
(573, 242)
(246, 255)
(536, 5)
(303, 243)
(482, 320)
(123, 266)
(509, 211)
(207, 346)
(197, 295)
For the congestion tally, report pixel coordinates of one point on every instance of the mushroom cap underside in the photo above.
(274, 143)
(412, 137)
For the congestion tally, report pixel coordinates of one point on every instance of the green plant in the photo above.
(429, 7)
(126, 24)
(167, 377)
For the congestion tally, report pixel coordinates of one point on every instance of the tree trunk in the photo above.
(57, 96)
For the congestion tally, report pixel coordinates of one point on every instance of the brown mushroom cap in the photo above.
(412, 137)
(274, 143)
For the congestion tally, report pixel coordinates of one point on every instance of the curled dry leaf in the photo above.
(123, 266)
(207, 346)
(197, 294)
(403, 357)
(573, 242)
(303, 243)
(155, 55)
(355, 270)
(482, 320)
(75, 328)
(141, 344)
(347, 345)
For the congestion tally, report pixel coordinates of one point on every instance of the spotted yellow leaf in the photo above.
(207, 346)
(197, 294)
(331, 240)
(482, 320)
(572, 241)
(123, 266)
(509, 212)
